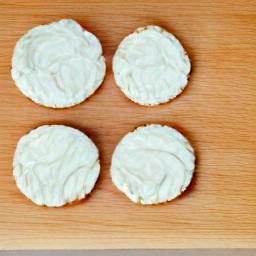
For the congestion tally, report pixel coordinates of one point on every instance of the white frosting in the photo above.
(153, 164)
(150, 66)
(55, 164)
(58, 65)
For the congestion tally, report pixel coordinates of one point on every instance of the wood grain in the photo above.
(216, 112)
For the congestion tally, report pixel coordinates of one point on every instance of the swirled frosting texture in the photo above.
(153, 164)
(58, 65)
(150, 66)
(54, 165)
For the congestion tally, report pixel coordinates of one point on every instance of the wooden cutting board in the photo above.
(216, 112)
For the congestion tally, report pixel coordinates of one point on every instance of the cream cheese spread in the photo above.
(58, 65)
(150, 66)
(55, 164)
(153, 164)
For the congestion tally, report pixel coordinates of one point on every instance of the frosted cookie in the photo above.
(54, 165)
(150, 66)
(153, 164)
(58, 65)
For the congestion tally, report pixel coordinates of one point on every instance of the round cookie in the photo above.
(153, 164)
(54, 165)
(150, 66)
(58, 65)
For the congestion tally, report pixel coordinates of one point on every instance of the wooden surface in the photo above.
(216, 112)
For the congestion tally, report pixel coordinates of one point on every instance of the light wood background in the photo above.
(216, 112)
